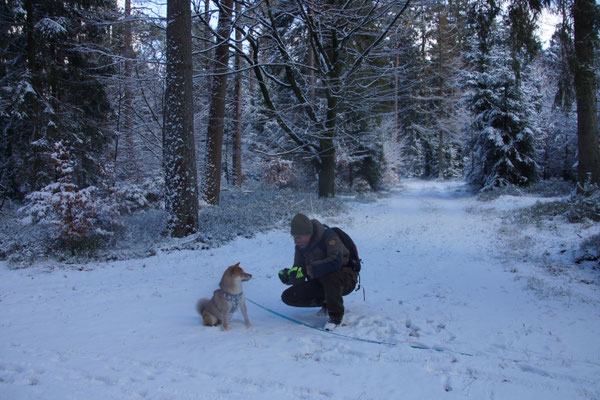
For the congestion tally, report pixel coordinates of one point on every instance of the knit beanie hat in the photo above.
(301, 225)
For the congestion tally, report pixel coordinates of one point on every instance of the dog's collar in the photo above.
(234, 299)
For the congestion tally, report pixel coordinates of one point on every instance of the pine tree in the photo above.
(502, 131)
(434, 113)
(53, 56)
(76, 215)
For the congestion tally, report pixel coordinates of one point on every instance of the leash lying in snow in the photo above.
(414, 346)
(411, 345)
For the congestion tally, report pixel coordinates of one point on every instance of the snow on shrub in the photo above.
(585, 202)
(280, 173)
(131, 197)
(75, 215)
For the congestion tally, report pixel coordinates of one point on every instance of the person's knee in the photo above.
(303, 296)
(287, 297)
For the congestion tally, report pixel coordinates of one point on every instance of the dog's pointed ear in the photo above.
(232, 269)
(238, 264)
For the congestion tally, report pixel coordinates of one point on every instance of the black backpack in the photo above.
(354, 261)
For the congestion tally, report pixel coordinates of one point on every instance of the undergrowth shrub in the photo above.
(547, 188)
(79, 218)
(581, 205)
(280, 173)
(585, 203)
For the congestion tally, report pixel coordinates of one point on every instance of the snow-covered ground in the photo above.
(469, 306)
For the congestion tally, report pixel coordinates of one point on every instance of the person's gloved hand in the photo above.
(291, 276)
(284, 276)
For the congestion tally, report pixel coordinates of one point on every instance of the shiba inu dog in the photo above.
(226, 299)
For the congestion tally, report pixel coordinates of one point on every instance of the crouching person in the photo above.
(320, 275)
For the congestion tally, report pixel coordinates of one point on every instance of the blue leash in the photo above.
(414, 346)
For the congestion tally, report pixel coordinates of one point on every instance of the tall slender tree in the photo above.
(585, 15)
(214, 140)
(125, 124)
(586, 20)
(239, 97)
(181, 182)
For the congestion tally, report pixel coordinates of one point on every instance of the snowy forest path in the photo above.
(436, 274)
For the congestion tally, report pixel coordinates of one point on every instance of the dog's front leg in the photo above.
(244, 311)
(225, 317)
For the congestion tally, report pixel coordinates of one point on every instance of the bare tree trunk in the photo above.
(35, 84)
(237, 139)
(326, 148)
(237, 136)
(207, 45)
(131, 158)
(179, 152)
(585, 90)
(327, 165)
(214, 139)
(311, 66)
(326, 182)
(442, 112)
(396, 133)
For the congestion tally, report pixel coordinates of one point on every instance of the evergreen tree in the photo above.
(502, 132)
(438, 117)
(408, 113)
(76, 216)
(53, 56)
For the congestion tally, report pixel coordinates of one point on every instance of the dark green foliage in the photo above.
(503, 130)
(585, 204)
(53, 56)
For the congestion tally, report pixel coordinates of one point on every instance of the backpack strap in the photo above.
(326, 235)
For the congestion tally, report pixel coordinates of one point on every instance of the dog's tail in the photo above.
(200, 305)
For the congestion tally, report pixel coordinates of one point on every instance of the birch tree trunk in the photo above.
(178, 142)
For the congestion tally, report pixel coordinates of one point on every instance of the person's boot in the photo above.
(334, 321)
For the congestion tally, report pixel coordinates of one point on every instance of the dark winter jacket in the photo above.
(319, 259)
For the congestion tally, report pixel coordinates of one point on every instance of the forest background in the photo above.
(118, 123)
